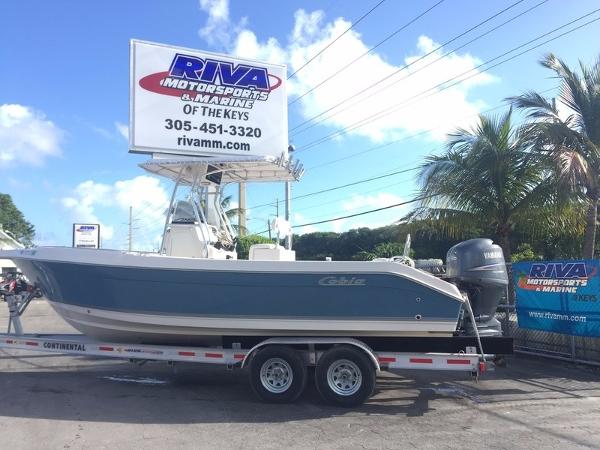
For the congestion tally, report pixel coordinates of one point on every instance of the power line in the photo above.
(383, 88)
(377, 148)
(406, 66)
(336, 39)
(360, 213)
(339, 187)
(408, 102)
(336, 73)
(361, 193)
(349, 216)
(406, 138)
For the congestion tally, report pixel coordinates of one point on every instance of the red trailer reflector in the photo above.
(106, 349)
(458, 361)
(186, 353)
(239, 356)
(421, 360)
(387, 359)
(33, 344)
(213, 355)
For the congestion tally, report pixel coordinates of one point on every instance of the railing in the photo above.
(544, 343)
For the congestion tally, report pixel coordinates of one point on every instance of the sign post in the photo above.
(196, 103)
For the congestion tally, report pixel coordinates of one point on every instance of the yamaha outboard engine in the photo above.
(478, 268)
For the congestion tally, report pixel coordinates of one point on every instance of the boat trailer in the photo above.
(345, 368)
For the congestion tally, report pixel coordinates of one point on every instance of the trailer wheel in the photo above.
(345, 376)
(277, 374)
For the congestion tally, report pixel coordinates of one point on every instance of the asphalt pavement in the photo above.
(50, 401)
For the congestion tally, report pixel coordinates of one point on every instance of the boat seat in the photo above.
(187, 240)
(270, 252)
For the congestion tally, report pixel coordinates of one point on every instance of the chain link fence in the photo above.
(545, 343)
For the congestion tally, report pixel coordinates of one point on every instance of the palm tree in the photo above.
(231, 213)
(573, 143)
(488, 178)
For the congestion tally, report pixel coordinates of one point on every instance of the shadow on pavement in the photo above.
(156, 393)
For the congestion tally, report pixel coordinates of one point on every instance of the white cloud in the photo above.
(247, 46)
(378, 200)
(26, 136)
(143, 193)
(102, 132)
(218, 29)
(339, 225)
(358, 203)
(299, 219)
(355, 204)
(122, 129)
(444, 111)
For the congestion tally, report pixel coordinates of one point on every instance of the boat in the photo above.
(195, 290)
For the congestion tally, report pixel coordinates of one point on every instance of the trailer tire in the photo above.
(277, 374)
(345, 376)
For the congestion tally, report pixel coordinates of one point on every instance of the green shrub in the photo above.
(244, 243)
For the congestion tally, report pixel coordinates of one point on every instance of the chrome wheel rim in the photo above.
(276, 375)
(344, 377)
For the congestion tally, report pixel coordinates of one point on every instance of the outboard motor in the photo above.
(478, 268)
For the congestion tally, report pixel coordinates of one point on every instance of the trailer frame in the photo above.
(360, 360)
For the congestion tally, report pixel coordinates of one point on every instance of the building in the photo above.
(8, 242)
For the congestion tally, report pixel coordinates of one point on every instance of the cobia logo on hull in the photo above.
(342, 281)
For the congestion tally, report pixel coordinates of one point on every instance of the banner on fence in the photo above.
(559, 296)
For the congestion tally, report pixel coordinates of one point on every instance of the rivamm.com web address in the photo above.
(555, 316)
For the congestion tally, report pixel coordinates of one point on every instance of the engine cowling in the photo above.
(477, 267)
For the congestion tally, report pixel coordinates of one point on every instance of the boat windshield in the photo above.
(183, 212)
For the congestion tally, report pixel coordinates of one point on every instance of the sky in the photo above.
(377, 101)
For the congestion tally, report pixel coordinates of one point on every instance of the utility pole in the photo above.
(288, 202)
(242, 209)
(130, 226)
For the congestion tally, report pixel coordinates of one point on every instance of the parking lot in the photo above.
(54, 401)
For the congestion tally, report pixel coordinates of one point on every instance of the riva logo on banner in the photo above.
(555, 277)
(213, 82)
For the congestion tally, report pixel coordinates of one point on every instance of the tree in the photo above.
(13, 221)
(245, 242)
(316, 246)
(383, 250)
(525, 252)
(488, 178)
(231, 213)
(572, 143)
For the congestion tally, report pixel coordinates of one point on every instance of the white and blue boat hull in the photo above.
(137, 297)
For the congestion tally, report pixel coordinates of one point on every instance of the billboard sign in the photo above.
(559, 296)
(192, 102)
(86, 235)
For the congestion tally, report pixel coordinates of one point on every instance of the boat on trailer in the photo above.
(195, 301)
(195, 291)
